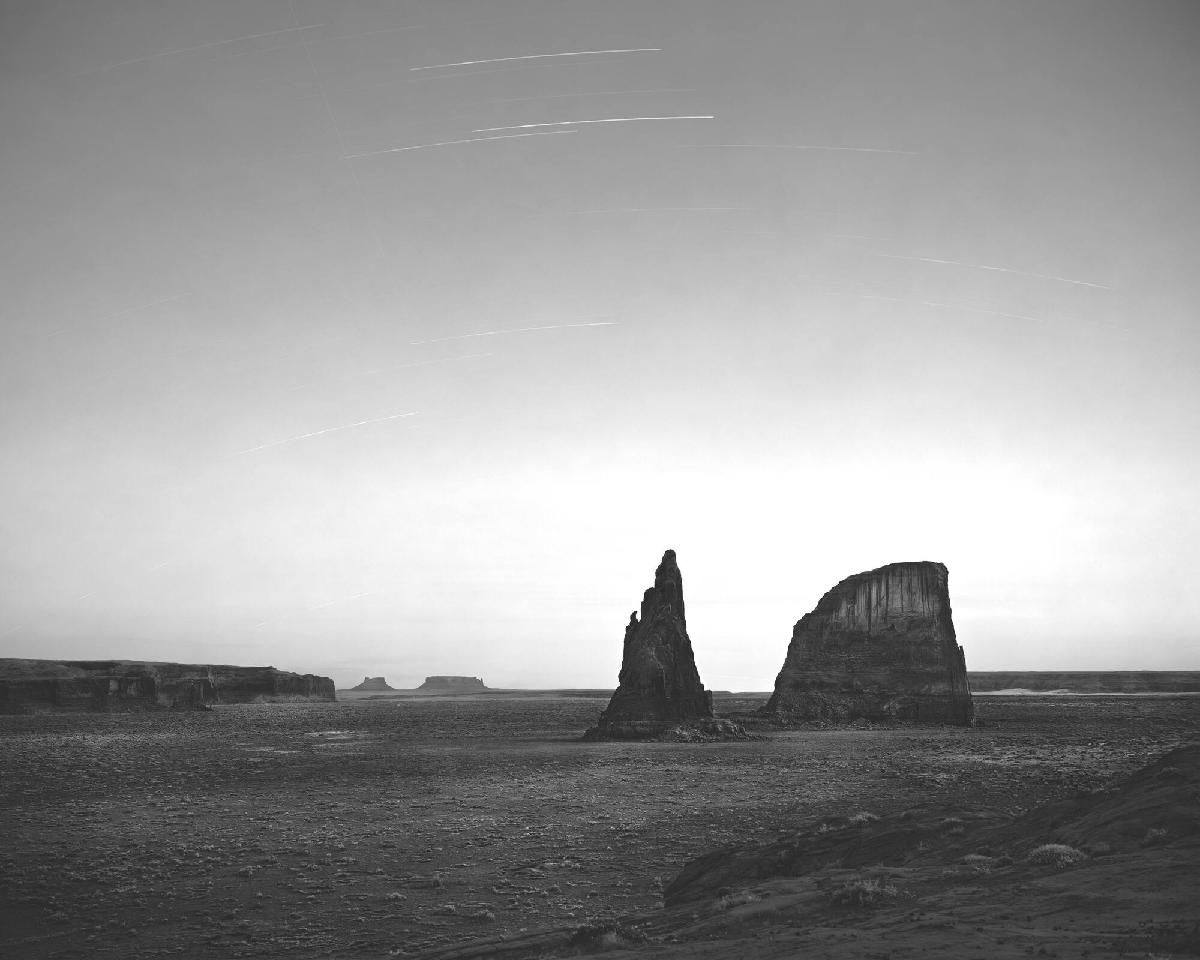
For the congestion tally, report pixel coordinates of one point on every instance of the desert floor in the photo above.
(369, 828)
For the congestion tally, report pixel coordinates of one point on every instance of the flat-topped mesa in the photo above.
(659, 686)
(372, 684)
(35, 686)
(452, 685)
(880, 645)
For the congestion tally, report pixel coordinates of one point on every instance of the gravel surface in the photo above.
(377, 828)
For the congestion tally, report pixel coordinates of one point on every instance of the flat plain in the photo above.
(375, 828)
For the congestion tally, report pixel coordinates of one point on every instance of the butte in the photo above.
(879, 646)
(659, 693)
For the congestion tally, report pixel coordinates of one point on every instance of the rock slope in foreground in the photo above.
(880, 645)
(659, 686)
(1107, 874)
(34, 686)
(1154, 807)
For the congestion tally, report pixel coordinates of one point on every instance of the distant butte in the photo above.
(880, 645)
(373, 684)
(36, 686)
(452, 685)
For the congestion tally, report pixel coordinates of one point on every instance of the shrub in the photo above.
(1056, 854)
(1154, 836)
(863, 892)
(601, 937)
(730, 900)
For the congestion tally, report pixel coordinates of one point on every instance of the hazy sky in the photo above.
(333, 337)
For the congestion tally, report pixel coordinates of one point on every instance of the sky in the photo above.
(402, 337)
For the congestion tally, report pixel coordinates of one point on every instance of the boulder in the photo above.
(880, 645)
(659, 686)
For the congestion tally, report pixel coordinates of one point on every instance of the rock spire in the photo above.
(659, 685)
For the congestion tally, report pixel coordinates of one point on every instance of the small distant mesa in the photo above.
(879, 646)
(452, 685)
(659, 693)
(373, 684)
(46, 686)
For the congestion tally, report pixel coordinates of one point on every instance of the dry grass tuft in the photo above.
(1056, 854)
(864, 892)
(730, 900)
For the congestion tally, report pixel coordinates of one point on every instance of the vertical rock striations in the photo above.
(879, 645)
(659, 686)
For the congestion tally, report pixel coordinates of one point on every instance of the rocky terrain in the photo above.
(415, 827)
(102, 685)
(1111, 872)
(659, 686)
(404, 828)
(879, 645)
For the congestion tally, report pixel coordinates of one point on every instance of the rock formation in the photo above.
(268, 685)
(879, 645)
(33, 686)
(452, 685)
(659, 686)
(373, 684)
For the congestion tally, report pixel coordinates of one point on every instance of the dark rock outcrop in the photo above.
(373, 684)
(268, 685)
(880, 645)
(34, 686)
(452, 685)
(659, 686)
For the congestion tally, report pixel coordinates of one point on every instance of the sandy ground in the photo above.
(401, 827)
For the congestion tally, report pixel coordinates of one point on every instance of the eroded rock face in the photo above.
(31, 686)
(880, 645)
(268, 685)
(658, 684)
